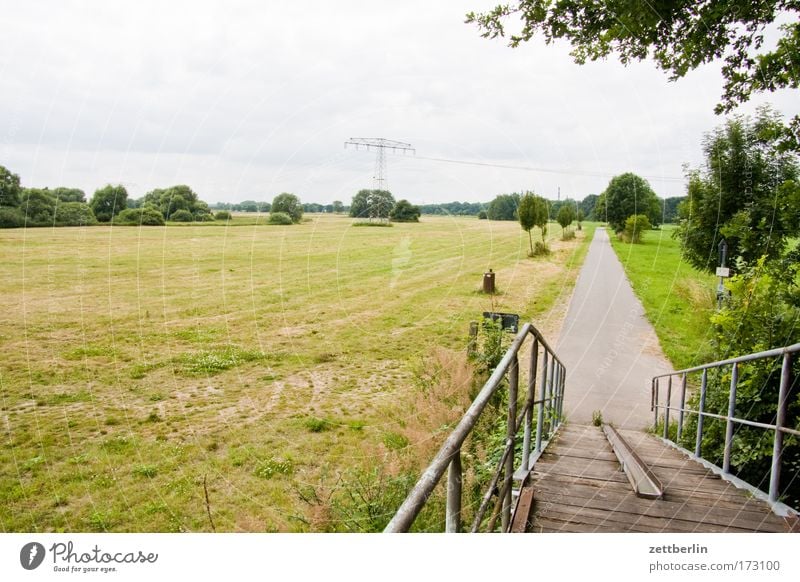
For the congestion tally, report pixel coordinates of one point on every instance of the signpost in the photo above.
(722, 271)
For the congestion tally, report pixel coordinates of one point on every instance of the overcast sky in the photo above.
(243, 100)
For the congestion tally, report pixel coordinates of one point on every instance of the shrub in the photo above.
(151, 217)
(39, 207)
(279, 218)
(203, 216)
(74, 214)
(11, 217)
(404, 211)
(635, 227)
(223, 215)
(147, 216)
(181, 216)
(568, 235)
(482, 215)
(540, 249)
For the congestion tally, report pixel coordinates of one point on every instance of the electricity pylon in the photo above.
(380, 145)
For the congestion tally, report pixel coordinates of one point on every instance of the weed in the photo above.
(148, 471)
(597, 418)
(395, 441)
(268, 468)
(314, 424)
(208, 363)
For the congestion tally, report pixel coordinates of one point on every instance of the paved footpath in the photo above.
(609, 348)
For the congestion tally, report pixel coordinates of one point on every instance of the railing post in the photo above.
(680, 412)
(655, 403)
(666, 407)
(454, 480)
(700, 410)
(549, 394)
(511, 433)
(780, 420)
(540, 411)
(726, 460)
(560, 408)
(526, 440)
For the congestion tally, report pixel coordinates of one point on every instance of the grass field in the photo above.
(141, 363)
(677, 299)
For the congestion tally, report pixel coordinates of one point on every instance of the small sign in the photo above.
(508, 321)
(723, 272)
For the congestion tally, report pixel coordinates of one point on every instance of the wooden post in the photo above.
(472, 344)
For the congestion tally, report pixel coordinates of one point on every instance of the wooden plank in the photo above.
(608, 521)
(631, 504)
(612, 501)
(591, 471)
(522, 513)
(732, 498)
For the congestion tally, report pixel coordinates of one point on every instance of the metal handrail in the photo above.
(778, 428)
(551, 377)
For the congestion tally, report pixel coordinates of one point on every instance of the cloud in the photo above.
(246, 99)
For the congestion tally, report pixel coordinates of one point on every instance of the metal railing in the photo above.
(779, 427)
(549, 406)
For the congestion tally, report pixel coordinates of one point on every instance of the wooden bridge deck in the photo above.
(579, 487)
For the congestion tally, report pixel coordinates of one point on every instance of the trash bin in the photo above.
(488, 282)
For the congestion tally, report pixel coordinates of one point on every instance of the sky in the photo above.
(244, 100)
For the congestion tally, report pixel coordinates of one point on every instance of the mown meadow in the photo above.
(234, 377)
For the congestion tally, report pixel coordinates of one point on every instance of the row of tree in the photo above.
(21, 206)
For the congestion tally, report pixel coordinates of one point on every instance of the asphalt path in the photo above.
(609, 348)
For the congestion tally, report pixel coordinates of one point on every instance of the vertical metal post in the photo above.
(666, 408)
(511, 431)
(526, 440)
(560, 402)
(549, 393)
(540, 411)
(700, 410)
(726, 459)
(780, 420)
(554, 394)
(683, 405)
(655, 404)
(454, 480)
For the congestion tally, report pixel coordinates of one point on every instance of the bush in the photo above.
(568, 235)
(147, 216)
(761, 313)
(279, 218)
(223, 215)
(635, 227)
(11, 217)
(404, 211)
(540, 250)
(74, 214)
(181, 216)
(203, 217)
(482, 215)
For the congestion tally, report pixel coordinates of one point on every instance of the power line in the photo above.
(545, 170)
